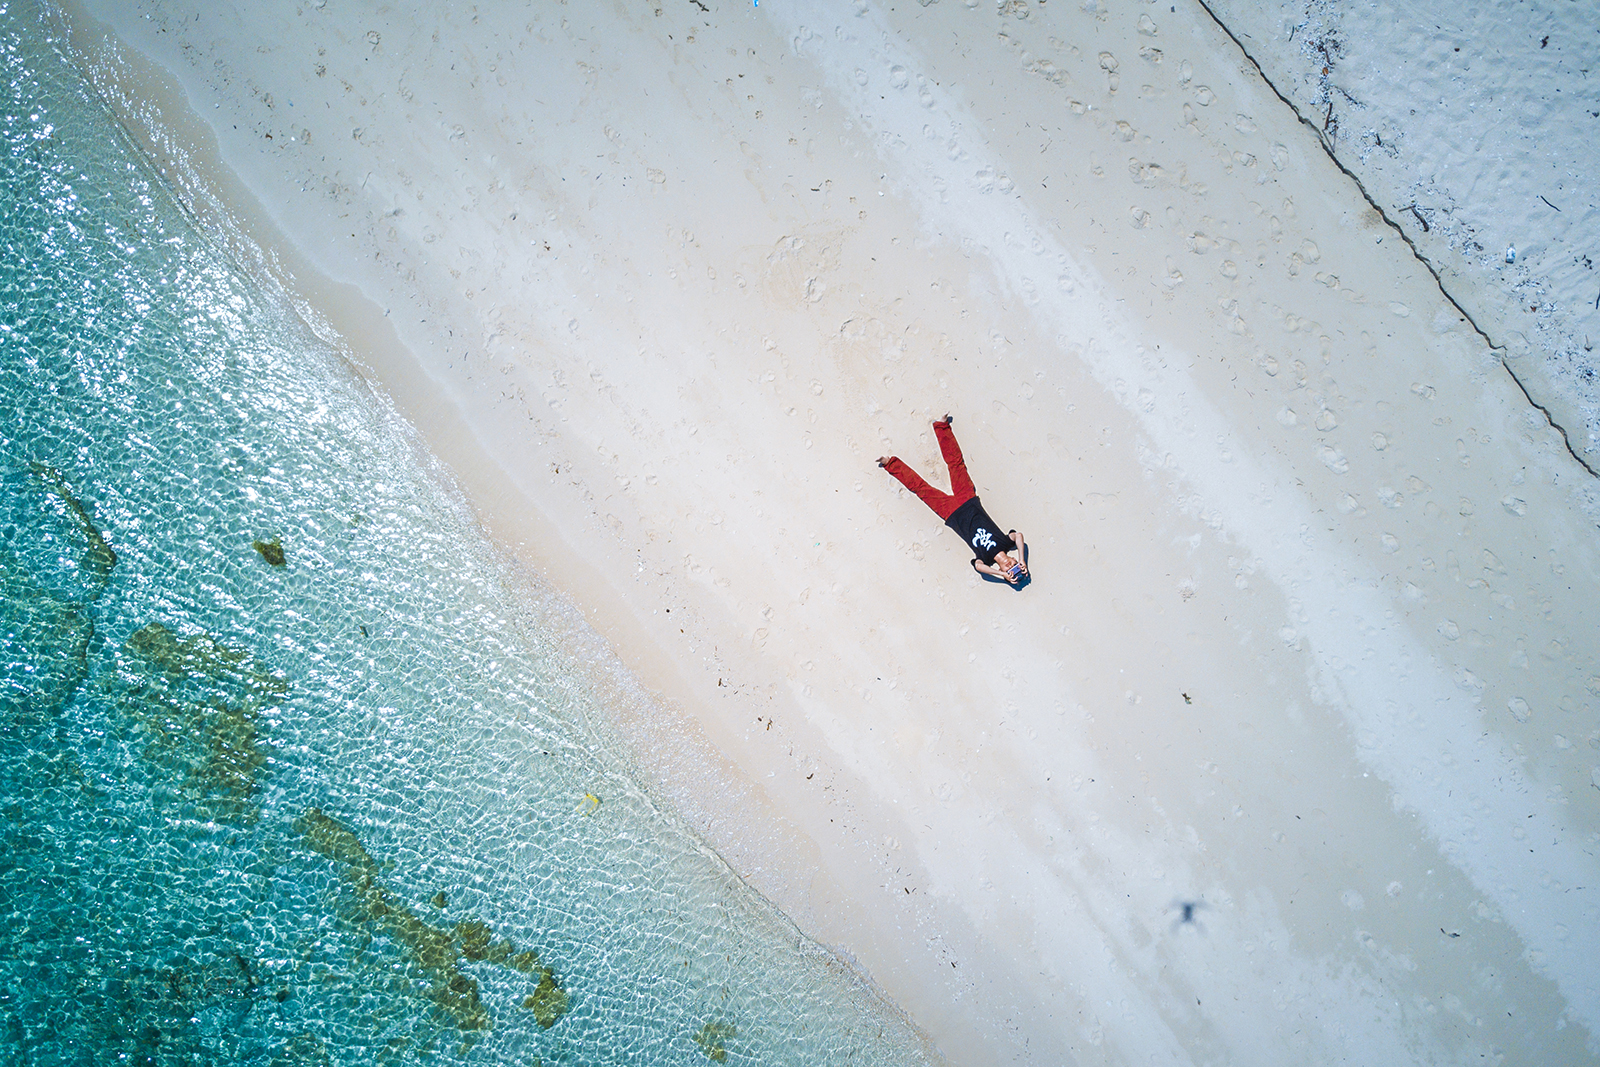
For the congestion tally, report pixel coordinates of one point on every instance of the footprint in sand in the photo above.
(1108, 63)
(1142, 173)
(988, 181)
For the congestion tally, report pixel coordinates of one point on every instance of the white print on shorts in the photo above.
(983, 538)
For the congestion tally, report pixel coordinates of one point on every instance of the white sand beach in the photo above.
(1311, 651)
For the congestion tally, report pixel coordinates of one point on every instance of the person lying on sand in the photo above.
(1000, 556)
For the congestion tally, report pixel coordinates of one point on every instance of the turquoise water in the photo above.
(283, 778)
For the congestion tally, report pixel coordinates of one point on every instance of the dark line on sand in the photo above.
(1327, 147)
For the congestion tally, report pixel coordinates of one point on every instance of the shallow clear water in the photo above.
(342, 810)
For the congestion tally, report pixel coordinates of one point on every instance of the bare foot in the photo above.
(883, 461)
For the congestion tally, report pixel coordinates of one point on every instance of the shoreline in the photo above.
(1012, 802)
(645, 693)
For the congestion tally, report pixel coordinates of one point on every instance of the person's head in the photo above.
(1006, 562)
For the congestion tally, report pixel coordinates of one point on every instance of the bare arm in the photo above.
(998, 572)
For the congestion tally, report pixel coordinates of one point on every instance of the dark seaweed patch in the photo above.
(199, 701)
(271, 551)
(97, 559)
(45, 642)
(549, 1001)
(150, 1014)
(712, 1039)
(437, 950)
(47, 628)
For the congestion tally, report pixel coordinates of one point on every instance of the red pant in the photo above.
(961, 490)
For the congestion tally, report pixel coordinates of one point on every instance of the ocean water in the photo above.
(285, 778)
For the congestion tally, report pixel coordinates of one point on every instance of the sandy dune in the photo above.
(1311, 642)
